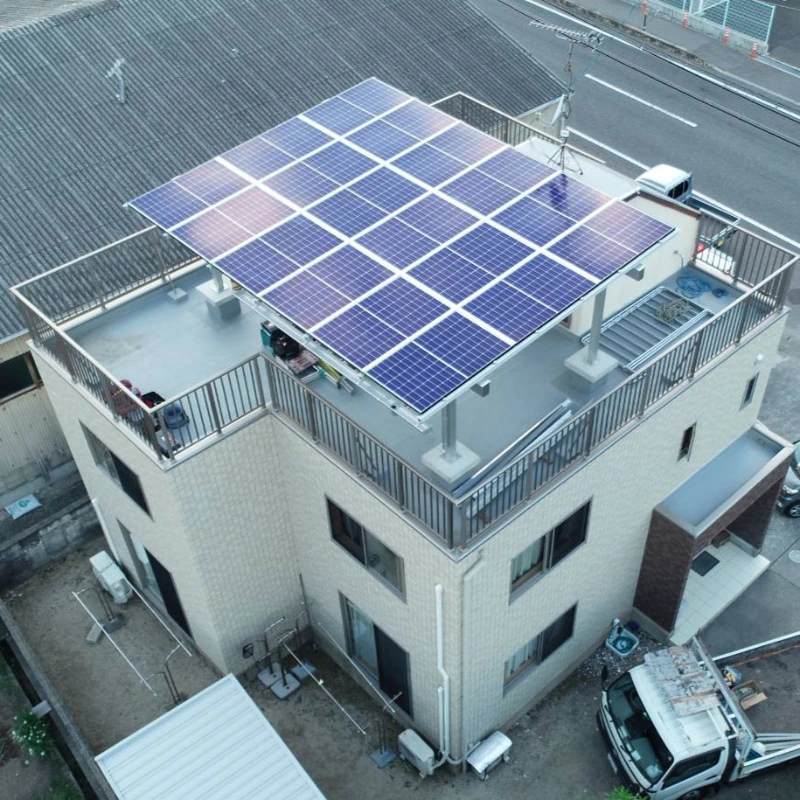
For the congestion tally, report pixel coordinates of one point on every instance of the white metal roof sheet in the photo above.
(216, 746)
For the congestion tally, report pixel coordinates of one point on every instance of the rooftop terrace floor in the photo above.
(169, 347)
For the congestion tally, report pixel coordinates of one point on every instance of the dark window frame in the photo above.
(27, 378)
(355, 539)
(687, 442)
(117, 470)
(541, 648)
(749, 391)
(550, 557)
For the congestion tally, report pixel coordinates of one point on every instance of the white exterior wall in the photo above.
(625, 483)
(237, 522)
(29, 432)
(217, 522)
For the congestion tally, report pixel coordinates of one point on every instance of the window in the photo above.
(686, 442)
(540, 647)
(17, 375)
(749, 391)
(551, 548)
(118, 471)
(364, 547)
(692, 767)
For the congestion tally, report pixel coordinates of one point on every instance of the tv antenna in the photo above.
(589, 39)
(116, 72)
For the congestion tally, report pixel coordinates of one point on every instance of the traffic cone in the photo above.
(754, 50)
(685, 18)
(726, 37)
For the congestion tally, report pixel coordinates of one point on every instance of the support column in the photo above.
(222, 303)
(591, 366)
(450, 460)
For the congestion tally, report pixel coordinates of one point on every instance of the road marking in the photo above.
(610, 150)
(641, 100)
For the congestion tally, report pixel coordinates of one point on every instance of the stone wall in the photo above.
(32, 549)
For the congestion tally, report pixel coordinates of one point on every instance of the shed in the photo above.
(216, 746)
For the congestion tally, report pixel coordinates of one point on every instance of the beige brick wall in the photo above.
(238, 522)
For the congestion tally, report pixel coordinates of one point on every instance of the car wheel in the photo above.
(793, 510)
(695, 794)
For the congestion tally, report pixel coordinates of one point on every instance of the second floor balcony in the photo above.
(132, 327)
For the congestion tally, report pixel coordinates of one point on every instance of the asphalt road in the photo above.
(742, 154)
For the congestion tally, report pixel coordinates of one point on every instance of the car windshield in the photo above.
(636, 730)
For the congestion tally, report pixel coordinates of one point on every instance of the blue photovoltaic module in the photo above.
(412, 247)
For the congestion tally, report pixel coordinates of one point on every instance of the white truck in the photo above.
(683, 722)
(676, 184)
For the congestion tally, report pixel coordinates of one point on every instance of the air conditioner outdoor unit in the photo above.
(414, 749)
(111, 577)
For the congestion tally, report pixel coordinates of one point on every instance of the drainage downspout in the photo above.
(444, 690)
(466, 597)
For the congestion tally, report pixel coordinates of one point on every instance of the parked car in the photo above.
(789, 498)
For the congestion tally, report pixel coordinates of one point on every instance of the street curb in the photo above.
(629, 30)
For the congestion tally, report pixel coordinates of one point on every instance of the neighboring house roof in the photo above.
(202, 76)
(216, 745)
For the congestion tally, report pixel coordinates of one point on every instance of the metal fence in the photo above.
(455, 521)
(740, 22)
(489, 120)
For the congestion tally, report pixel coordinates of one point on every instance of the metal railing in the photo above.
(458, 521)
(214, 405)
(489, 120)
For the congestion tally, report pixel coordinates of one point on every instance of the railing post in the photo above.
(743, 319)
(167, 441)
(589, 431)
(152, 436)
(105, 386)
(262, 401)
(312, 417)
(63, 350)
(271, 382)
(699, 339)
(463, 522)
(399, 477)
(352, 436)
(645, 383)
(528, 490)
(212, 405)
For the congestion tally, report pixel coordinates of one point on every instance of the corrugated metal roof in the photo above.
(202, 76)
(215, 746)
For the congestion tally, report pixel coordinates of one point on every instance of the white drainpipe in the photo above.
(444, 690)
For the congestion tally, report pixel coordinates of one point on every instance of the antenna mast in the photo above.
(588, 39)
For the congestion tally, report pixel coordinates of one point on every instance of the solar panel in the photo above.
(447, 340)
(628, 226)
(465, 143)
(258, 158)
(533, 221)
(340, 163)
(437, 218)
(358, 336)
(347, 212)
(255, 210)
(428, 165)
(516, 170)
(404, 306)
(418, 119)
(296, 137)
(550, 282)
(397, 243)
(257, 266)
(305, 300)
(569, 196)
(419, 288)
(479, 191)
(382, 140)
(212, 182)
(338, 115)
(375, 96)
(350, 271)
(211, 234)
(301, 240)
(416, 376)
(301, 185)
(592, 252)
(491, 249)
(450, 275)
(509, 311)
(168, 205)
(386, 189)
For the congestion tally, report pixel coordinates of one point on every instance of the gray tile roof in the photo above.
(201, 76)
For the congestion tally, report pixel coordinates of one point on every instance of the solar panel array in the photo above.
(415, 247)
